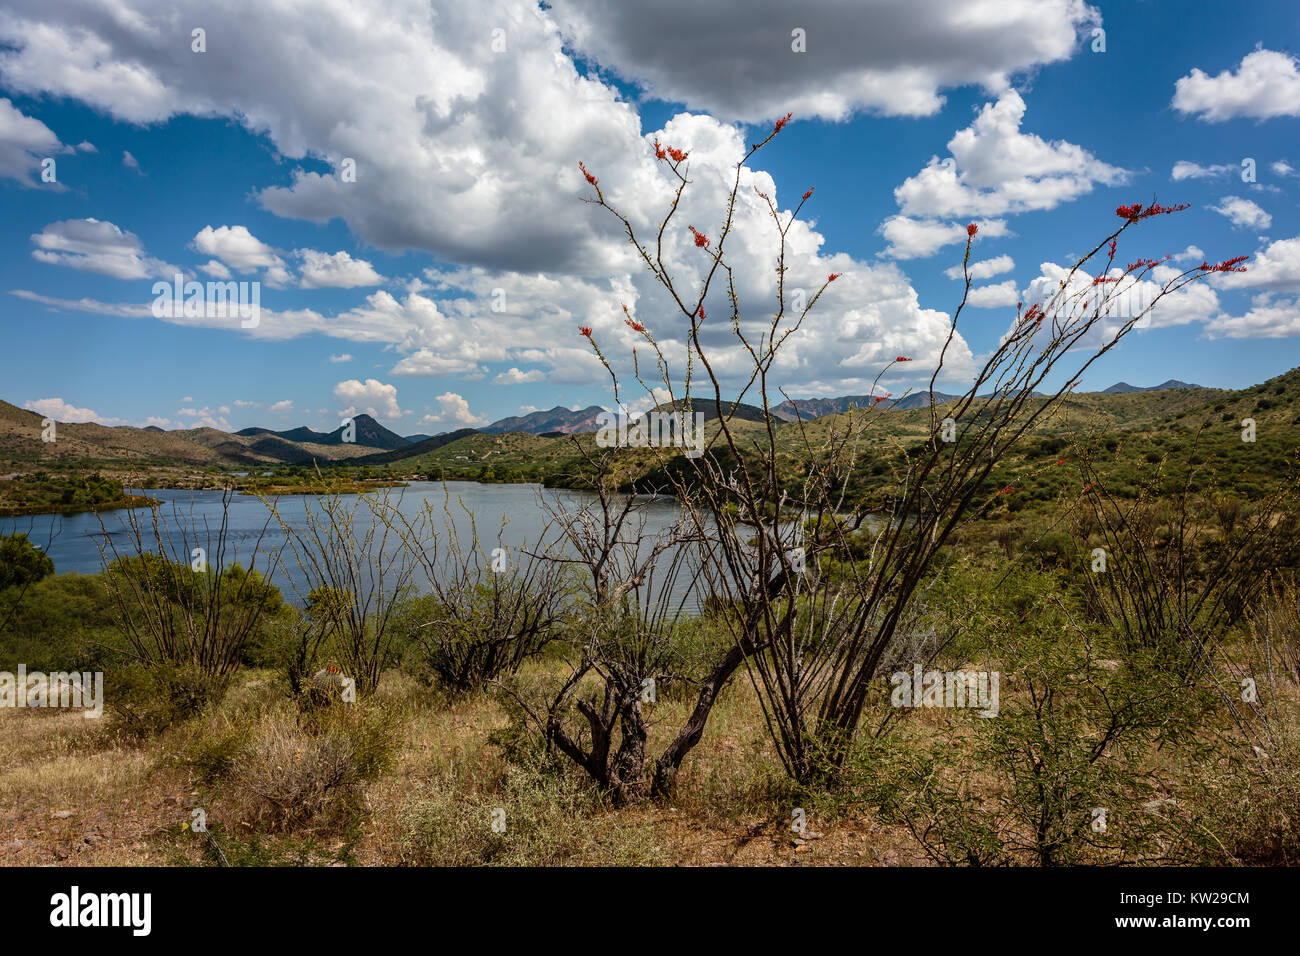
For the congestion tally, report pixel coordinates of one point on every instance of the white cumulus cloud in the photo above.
(984, 268)
(1185, 169)
(371, 396)
(996, 169)
(238, 249)
(994, 296)
(24, 142)
(321, 270)
(61, 411)
(1265, 84)
(515, 377)
(454, 410)
(1243, 213)
(97, 246)
(1268, 318)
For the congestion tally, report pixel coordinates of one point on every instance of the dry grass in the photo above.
(281, 788)
(432, 805)
(71, 795)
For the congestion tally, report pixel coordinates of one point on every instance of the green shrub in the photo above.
(21, 562)
(144, 701)
(1060, 775)
(1053, 549)
(214, 754)
(63, 622)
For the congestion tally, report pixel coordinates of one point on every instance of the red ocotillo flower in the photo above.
(780, 124)
(584, 330)
(1005, 491)
(590, 178)
(630, 322)
(660, 152)
(700, 312)
(1088, 487)
(676, 155)
(1062, 461)
(971, 230)
(1155, 209)
(1227, 265)
(1134, 211)
(809, 192)
(1113, 244)
(833, 276)
(902, 358)
(701, 239)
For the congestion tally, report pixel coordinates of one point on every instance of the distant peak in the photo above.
(1123, 388)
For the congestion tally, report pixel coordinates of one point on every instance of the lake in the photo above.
(512, 513)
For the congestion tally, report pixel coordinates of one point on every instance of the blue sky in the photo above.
(466, 127)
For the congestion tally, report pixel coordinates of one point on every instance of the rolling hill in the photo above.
(418, 450)
(122, 448)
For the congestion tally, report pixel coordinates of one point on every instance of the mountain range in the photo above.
(368, 433)
(1124, 388)
(810, 408)
(124, 445)
(559, 419)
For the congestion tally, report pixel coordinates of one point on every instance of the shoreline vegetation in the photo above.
(44, 497)
(42, 493)
(28, 511)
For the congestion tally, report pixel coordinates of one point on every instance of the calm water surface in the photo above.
(74, 542)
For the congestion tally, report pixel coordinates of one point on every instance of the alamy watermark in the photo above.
(973, 689)
(74, 908)
(652, 430)
(70, 691)
(216, 300)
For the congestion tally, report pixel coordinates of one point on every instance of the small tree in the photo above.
(22, 564)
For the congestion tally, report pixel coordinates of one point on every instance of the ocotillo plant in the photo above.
(818, 579)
